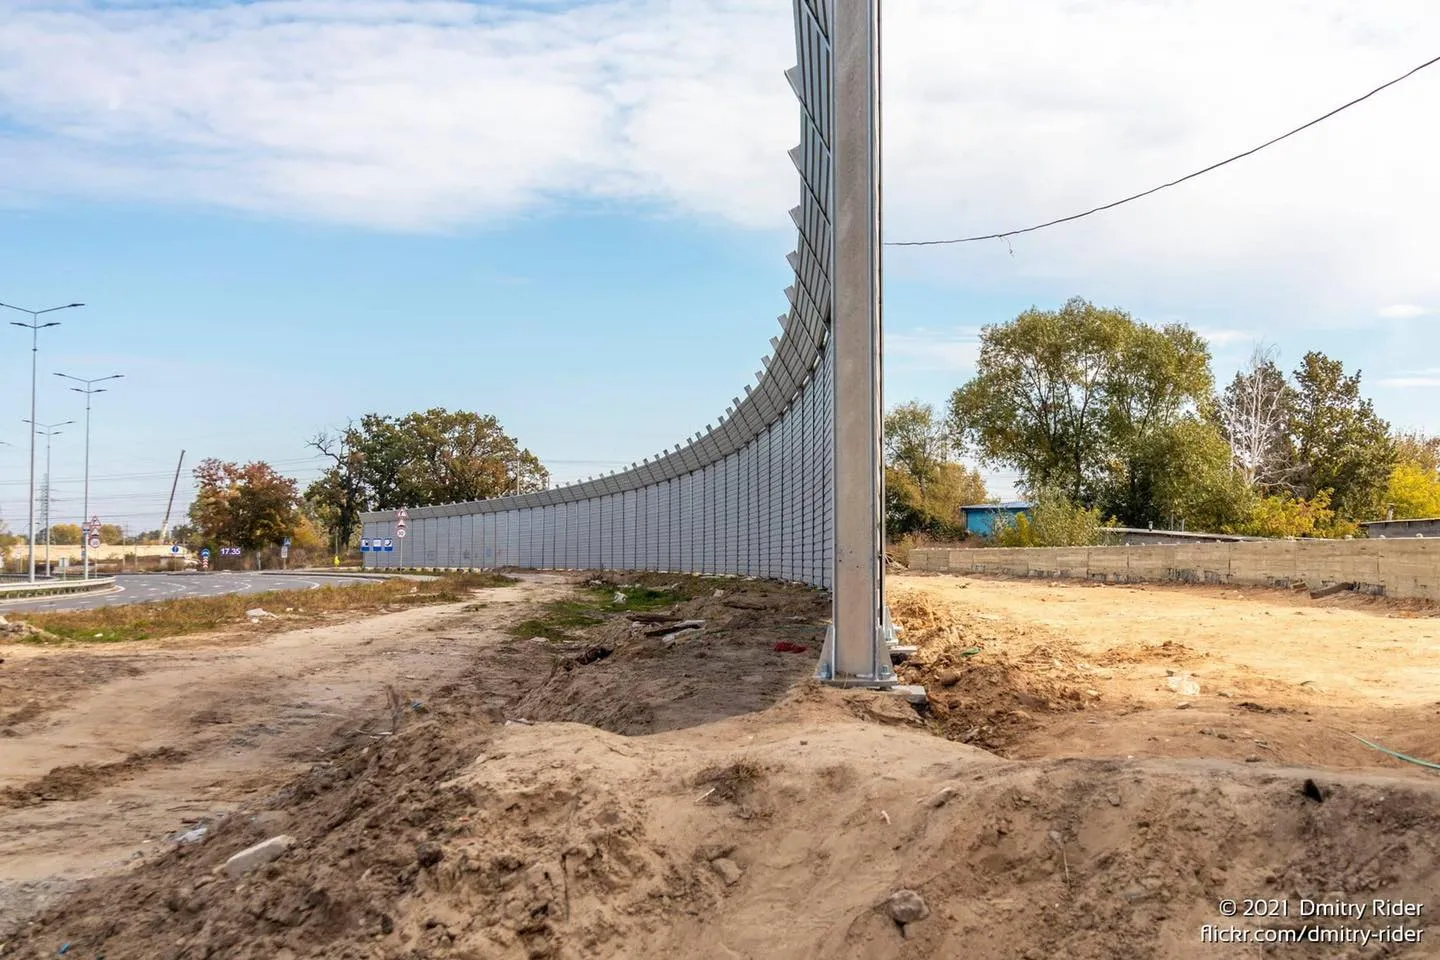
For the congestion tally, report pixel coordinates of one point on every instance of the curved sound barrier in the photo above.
(753, 495)
(789, 484)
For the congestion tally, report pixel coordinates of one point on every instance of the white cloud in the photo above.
(403, 115)
(425, 114)
(923, 350)
(1403, 311)
(1410, 382)
(1226, 338)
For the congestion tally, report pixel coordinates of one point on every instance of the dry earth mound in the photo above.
(781, 835)
(827, 824)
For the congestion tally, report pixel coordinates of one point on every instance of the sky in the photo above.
(284, 214)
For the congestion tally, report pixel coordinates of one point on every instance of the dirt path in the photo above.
(109, 751)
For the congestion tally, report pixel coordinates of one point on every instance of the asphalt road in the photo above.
(138, 588)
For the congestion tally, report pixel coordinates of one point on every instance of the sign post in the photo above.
(400, 519)
(92, 540)
(284, 552)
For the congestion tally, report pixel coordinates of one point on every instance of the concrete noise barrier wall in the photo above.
(753, 495)
(1392, 568)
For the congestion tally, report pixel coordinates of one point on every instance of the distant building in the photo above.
(982, 519)
(1428, 527)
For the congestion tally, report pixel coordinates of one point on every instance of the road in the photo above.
(139, 588)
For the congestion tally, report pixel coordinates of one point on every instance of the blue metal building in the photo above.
(981, 518)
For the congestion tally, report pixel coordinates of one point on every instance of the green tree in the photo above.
(186, 535)
(935, 509)
(340, 495)
(1054, 520)
(1071, 398)
(1283, 515)
(250, 506)
(1036, 401)
(924, 489)
(915, 441)
(1182, 476)
(425, 457)
(63, 534)
(1341, 444)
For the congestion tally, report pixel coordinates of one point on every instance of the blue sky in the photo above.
(288, 213)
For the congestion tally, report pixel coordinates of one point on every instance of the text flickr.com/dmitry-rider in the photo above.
(1319, 910)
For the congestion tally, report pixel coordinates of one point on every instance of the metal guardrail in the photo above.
(49, 588)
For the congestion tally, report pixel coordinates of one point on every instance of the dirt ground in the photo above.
(1073, 669)
(1068, 792)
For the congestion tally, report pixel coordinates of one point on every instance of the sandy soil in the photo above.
(106, 751)
(1085, 670)
(699, 797)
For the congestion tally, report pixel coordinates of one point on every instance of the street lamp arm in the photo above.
(88, 383)
(35, 326)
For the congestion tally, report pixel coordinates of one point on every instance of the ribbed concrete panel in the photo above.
(750, 494)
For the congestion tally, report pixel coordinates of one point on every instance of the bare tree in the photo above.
(340, 493)
(1255, 412)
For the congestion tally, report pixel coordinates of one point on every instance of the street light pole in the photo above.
(4, 554)
(48, 431)
(34, 326)
(89, 390)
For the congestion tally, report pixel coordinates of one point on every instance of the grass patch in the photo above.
(559, 619)
(173, 618)
(638, 598)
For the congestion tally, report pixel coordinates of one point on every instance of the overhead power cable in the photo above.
(1172, 183)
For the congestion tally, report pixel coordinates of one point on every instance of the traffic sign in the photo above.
(389, 544)
(400, 532)
(403, 515)
(175, 548)
(94, 540)
(364, 544)
(286, 543)
(205, 553)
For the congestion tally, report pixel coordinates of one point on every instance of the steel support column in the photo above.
(856, 653)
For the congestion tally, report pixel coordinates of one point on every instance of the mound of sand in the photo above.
(984, 690)
(779, 835)
(817, 823)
